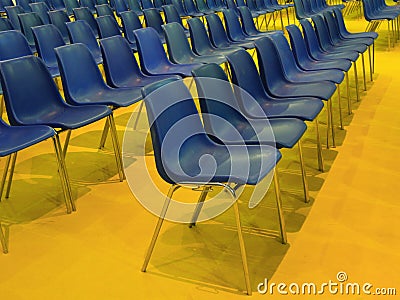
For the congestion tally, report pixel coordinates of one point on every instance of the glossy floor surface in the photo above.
(350, 227)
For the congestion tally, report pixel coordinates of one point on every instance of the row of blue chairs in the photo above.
(307, 8)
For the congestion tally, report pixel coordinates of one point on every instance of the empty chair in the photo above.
(191, 9)
(158, 4)
(4, 3)
(146, 4)
(247, 22)
(152, 18)
(27, 21)
(101, 2)
(5, 24)
(58, 4)
(83, 13)
(172, 15)
(104, 10)
(24, 4)
(175, 123)
(12, 14)
(201, 43)
(47, 38)
(216, 5)
(134, 5)
(120, 6)
(108, 27)
(203, 7)
(70, 5)
(42, 10)
(59, 18)
(179, 48)
(180, 8)
(13, 44)
(234, 29)
(130, 22)
(25, 106)
(153, 59)
(89, 4)
(80, 32)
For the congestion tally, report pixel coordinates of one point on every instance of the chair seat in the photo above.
(340, 64)
(144, 80)
(184, 70)
(16, 138)
(72, 117)
(319, 90)
(335, 76)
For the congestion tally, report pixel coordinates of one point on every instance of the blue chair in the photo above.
(104, 10)
(180, 8)
(27, 21)
(17, 138)
(21, 78)
(219, 37)
(59, 18)
(84, 14)
(13, 44)
(203, 7)
(182, 169)
(120, 6)
(80, 32)
(171, 15)
(47, 38)
(245, 75)
(191, 9)
(201, 43)
(24, 4)
(42, 10)
(89, 4)
(152, 18)
(70, 5)
(108, 26)
(134, 5)
(179, 50)
(101, 2)
(218, 102)
(248, 25)
(3, 4)
(57, 4)
(275, 81)
(300, 10)
(130, 22)
(12, 15)
(158, 4)
(5, 24)
(153, 59)
(147, 4)
(234, 29)
(216, 5)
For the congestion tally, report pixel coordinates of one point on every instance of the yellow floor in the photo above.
(350, 225)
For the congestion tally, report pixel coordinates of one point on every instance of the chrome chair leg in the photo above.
(356, 80)
(62, 173)
(3, 240)
(282, 226)
(138, 116)
(332, 124)
(171, 191)
(370, 62)
(104, 134)
(116, 146)
(242, 248)
(4, 177)
(328, 127)
(303, 174)
(348, 94)
(363, 66)
(10, 176)
(319, 147)
(66, 143)
(199, 205)
(340, 106)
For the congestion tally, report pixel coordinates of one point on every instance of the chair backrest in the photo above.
(13, 44)
(158, 4)
(5, 24)
(150, 49)
(202, 6)
(42, 10)
(247, 20)
(24, 4)
(171, 14)
(310, 37)
(322, 31)
(230, 4)
(101, 2)
(89, 4)
(232, 24)
(298, 44)
(83, 13)
(107, 26)
(173, 121)
(190, 7)
(20, 79)
(198, 36)
(70, 5)
(177, 43)
(130, 22)
(216, 31)
(179, 7)
(57, 4)
(153, 18)
(104, 10)
(4, 3)
(332, 26)
(79, 72)
(300, 10)
(146, 4)
(59, 18)
(27, 21)
(47, 38)
(120, 6)
(119, 61)
(134, 5)
(80, 32)
(12, 14)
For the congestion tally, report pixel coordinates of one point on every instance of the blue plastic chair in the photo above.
(120, 6)
(47, 38)
(21, 78)
(70, 5)
(184, 168)
(24, 4)
(179, 50)
(191, 9)
(234, 28)
(80, 32)
(27, 21)
(4, 3)
(42, 10)
(248, 25)
(5, 25)
(203, 7)
(12, 15)
(153, 59)
(171, 15)
(120, 66)
(104, 10)
(101, 2)
(134, 5)
(89, 4)
(147, 4)
(200, 41)
(180, 8)
(84, 13)
(152, 18)
(158, 4)
(59, 18)
(130, 22)
(218, 102)
(216, 5)
(219, 37)
(108, 27)
(13, 44)
(58, 4)
(300, 10)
